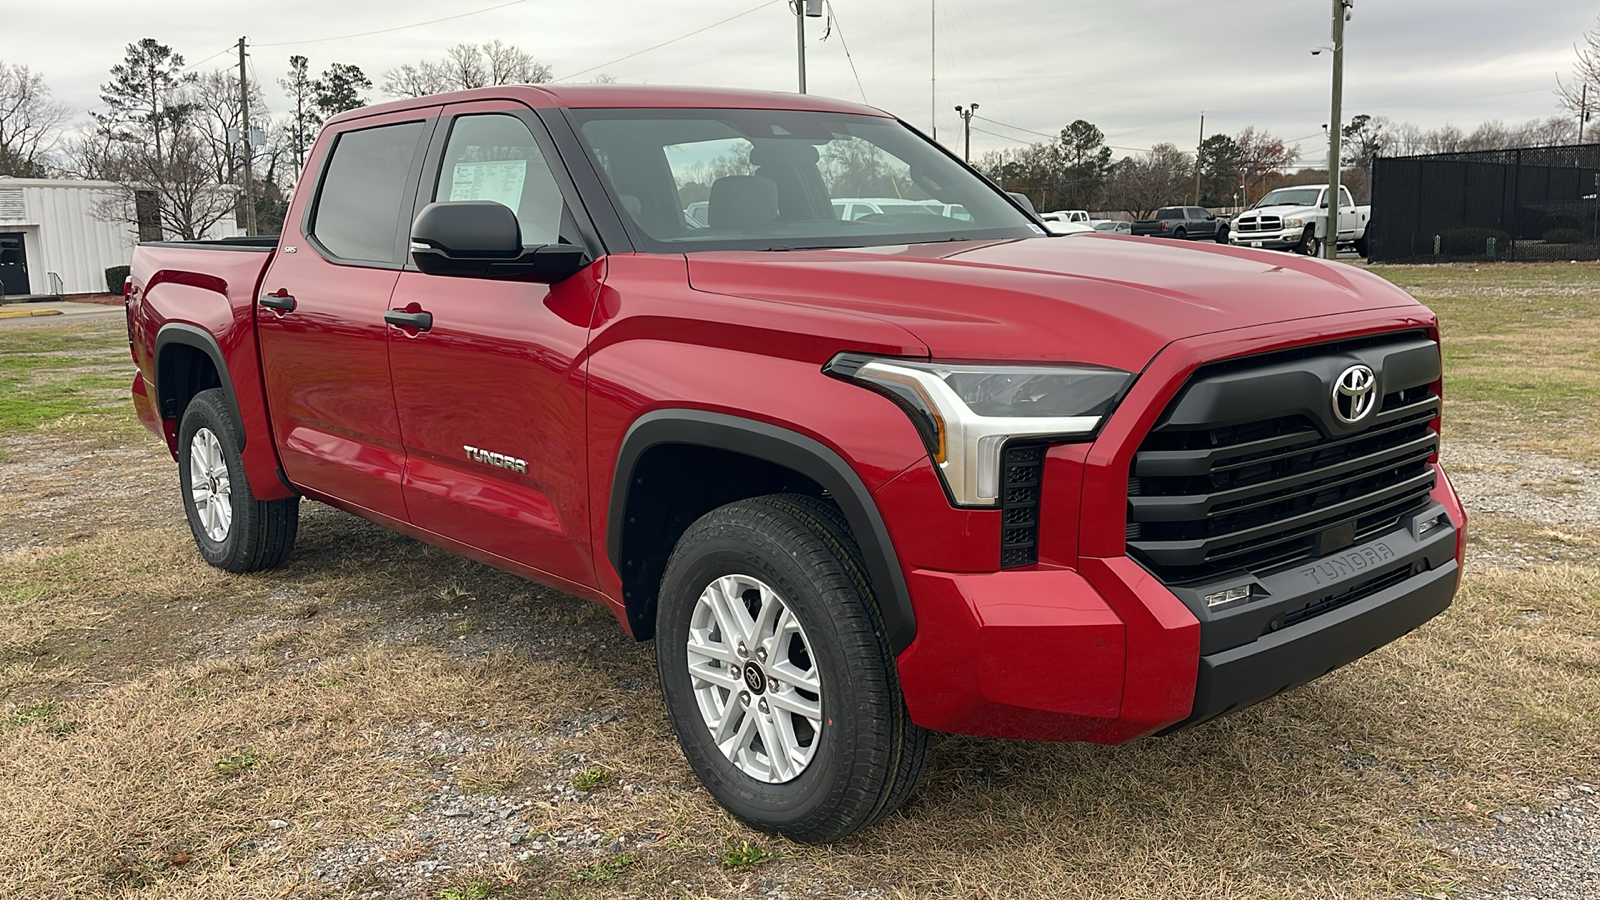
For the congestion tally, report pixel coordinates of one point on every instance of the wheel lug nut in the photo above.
(761, 654)
(744, 699)
(763, 705)
(742, 651)
(734, 671)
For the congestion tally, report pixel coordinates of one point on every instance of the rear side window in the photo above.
(1169, 213)
(363, 188)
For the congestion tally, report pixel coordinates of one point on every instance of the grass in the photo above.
(64, 372)
(1521, 351)
(155, 710)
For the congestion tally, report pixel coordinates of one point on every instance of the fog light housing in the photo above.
(1229, 595)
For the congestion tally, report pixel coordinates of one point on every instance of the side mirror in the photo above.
(1023, 201)
(481, 239)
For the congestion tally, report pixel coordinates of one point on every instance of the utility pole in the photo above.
(1199, 152)
(244, 134)
(1583, 111)
(966, 113)
(802, 10)
(1341, 9)
(933, 66)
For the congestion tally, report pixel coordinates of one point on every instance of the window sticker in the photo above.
(500, 181)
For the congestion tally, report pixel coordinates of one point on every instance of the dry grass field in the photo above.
(382, 719)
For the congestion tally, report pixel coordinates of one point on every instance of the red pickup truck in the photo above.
(861, 480)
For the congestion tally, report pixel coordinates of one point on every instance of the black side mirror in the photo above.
(1022, 201)
(481, 239)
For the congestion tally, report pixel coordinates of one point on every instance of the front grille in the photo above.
(1260, 495)
(1021, 477)
(1260, 223)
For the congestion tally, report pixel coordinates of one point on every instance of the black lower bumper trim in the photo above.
(1236, 678)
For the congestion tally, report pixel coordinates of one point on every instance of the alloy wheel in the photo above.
(754, 679)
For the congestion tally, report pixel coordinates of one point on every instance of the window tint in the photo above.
(358, 208)
(495, 157)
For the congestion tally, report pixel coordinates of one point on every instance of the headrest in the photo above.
(782, 153)
(631, 204)
(739, 201)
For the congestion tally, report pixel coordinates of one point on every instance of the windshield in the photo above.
(1291, 197)
(781, 180)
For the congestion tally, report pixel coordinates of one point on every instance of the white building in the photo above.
(53, 239)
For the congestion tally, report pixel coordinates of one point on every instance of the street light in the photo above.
(966, 114)
(803, 9)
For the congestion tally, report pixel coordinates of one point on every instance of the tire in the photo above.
(1309, 245)
(233, 530)
(1362, 244)
(861, 758)
(1181, 234)
(1222, 235)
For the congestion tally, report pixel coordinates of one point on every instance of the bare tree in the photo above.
(30, 123)
(302, 92)
(1582, 93)
(1262, 157)
(1143, 184)
(466, 66)
(215, 97)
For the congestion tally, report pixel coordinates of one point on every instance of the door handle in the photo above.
(399, 318)
(281, 300)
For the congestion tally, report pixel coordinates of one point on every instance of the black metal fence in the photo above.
(1532, 203)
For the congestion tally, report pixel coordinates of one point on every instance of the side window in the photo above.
(1344, 197)
(358, 204)
(495, 157)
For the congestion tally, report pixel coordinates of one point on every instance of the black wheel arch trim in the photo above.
(792, 450)
(198, 338)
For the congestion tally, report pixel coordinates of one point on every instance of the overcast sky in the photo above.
(1143, 70)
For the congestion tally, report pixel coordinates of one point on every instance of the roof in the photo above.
(624, 96)
(6, 181)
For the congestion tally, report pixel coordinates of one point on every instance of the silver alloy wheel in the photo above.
(754, 679)
(208, 485)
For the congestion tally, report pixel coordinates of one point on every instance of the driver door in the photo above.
(491, 396)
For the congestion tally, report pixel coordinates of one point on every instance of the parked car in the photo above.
(1184, 223)
(1296, 218)
(1066, 215)
(860, 479)
(1056, 226)
(1112, 226)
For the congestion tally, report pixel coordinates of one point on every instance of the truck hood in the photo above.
(1102, 299)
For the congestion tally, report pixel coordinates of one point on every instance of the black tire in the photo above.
(1181, 234)
(868, 755)
(1309, 245)
(1362, 245)
(261, 532)
(1222, 234)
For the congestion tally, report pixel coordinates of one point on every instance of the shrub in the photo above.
(1473, 242)
(1567, 236)
(115, 276)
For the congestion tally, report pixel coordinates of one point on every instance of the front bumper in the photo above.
(1267, 240)
(1107, 653)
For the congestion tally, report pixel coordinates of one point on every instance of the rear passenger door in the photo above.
(324, 350)
(491, 396)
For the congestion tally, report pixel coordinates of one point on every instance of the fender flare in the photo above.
(791, 450)
(200, 339)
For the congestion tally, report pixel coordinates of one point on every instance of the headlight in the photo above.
(1294, 223)
(966, 413)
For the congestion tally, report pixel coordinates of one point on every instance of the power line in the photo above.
(666, 42)
(202, 62)
(832, 14)
(346, 37)
(1043, 135)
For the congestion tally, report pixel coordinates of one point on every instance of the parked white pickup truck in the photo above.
(1296, 218)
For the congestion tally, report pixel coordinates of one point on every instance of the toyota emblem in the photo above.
(1355, 394)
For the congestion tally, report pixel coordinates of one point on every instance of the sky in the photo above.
(1142, 70)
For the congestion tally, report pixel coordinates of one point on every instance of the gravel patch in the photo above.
(1550, 854)
(1528, 486)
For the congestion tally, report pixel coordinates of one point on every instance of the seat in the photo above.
(741, 201)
